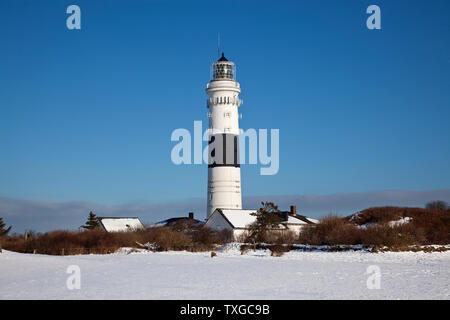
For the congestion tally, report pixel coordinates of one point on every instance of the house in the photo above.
(238, 221)
(120, 224)
(295, 222)
(172, 221)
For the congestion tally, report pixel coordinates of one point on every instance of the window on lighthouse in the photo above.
(223, 71)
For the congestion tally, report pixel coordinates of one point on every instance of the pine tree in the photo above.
(3, 231)
(268, 217)
(92, 223)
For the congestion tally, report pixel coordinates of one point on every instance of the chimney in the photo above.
(191, 215)
(293, 210)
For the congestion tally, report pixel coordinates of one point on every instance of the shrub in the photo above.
(371, 227)
(425, 227)
(277, 250)
(207, 238)
(165, 239)
(283, 237)
(331, 230)
(437, 205)
(97, 241)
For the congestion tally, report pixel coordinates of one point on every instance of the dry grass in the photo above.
(426, 227)
(96, 241)
(426, 249)
(277, 250)
(269, 236)
(331, 230)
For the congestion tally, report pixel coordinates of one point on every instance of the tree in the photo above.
(3, 230)
(268, 217)
(437, 205)
(92, 223)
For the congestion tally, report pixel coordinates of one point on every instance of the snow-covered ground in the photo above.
(230, 275)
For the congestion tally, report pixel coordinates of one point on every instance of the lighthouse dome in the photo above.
(222, 58)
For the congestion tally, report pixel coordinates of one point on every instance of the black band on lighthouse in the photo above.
(223, 150)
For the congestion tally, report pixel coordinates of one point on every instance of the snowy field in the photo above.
(230, 275)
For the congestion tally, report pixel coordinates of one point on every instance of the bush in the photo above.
(371, 227)
(285, 237)
(437, 205)
(331, 230)
(426, 226)
(165, 239)
(278, 250)
(384, 235)
(96, 241)
(207, 238)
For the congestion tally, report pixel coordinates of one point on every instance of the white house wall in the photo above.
(296, 228)
(217, 221)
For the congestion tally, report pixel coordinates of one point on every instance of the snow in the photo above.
(230, 275)
(391, 224)
(355, 216)
(399, 222)
(121, 224)
(293, 220)
(313, 220)
(239, 218)
(243, 218)
(367, 225)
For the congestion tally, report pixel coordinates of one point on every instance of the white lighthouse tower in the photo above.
(224, 173)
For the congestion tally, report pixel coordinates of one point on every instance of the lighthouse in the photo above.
(224, 173)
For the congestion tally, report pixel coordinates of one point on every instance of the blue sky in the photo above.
(86, 115)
